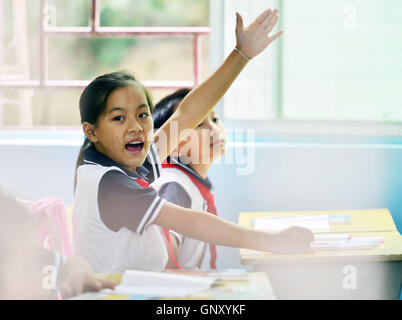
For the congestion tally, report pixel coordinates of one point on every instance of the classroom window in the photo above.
(338, 61)
(73, 57)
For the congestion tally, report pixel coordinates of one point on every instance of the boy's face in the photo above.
(124, 131)
(207, 143)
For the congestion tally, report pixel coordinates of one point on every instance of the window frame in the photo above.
(93, 30)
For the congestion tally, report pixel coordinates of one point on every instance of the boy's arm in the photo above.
(214, 230)
(196, 105)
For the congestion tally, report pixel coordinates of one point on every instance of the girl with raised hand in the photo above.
(119, 221)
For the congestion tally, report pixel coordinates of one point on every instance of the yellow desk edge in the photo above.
(391, 250)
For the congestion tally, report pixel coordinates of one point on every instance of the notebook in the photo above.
(160, 284)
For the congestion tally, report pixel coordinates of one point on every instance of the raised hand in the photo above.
(253, 39)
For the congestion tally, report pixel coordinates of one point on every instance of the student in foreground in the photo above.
(24, 263)
(119, 221)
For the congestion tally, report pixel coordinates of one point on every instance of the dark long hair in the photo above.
(93, 102)
(164, 108)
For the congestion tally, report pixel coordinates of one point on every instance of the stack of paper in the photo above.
(338, 237)
(160, 284)
(344, 242)
(229, 274)
(317, 224)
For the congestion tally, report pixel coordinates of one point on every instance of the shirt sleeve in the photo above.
(173, 192)
(153, 164)
(124, 203)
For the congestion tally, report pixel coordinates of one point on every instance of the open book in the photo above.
(160, 284)
(219, 275)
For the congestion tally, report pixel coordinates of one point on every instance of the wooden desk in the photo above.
(257, 287)
(328, 274)
(361, 220)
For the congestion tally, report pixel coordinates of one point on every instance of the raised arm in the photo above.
(214, 230)
(250, 41)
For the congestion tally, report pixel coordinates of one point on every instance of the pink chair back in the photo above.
(53, 233)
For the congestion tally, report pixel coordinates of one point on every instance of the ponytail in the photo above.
(80, 160)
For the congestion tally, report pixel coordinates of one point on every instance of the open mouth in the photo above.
(135, 146)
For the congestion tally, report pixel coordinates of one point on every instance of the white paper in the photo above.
(160, 284)
(340, 237)
(317, 224)
(156, 292)
(355, 243)
(229, 274)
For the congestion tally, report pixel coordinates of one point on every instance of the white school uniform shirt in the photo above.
(176, 187)
(113, 215)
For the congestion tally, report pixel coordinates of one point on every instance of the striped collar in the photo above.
(92, 156)
(206, 182)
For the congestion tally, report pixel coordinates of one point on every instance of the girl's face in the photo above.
(124, 131)
(207, 143)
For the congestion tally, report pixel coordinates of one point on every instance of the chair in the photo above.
(54, 232)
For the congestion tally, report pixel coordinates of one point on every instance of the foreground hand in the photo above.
(77, 277)
(253, 39)
(292, 240)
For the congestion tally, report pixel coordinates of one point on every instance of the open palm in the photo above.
(252, 40)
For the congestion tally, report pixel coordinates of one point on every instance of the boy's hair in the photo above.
(93, 102)
(164, 109)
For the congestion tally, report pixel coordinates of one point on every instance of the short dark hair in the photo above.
(164, 109)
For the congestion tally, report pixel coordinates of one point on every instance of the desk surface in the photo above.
(376, 220)
(390, 250)
(363, 223)
(257, 287)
